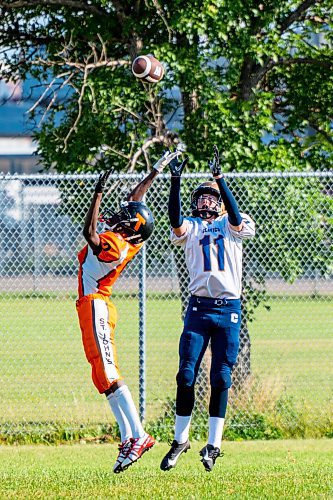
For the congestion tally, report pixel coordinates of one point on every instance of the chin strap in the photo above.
(204, 214)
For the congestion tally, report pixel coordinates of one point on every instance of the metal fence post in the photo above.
(37, 246)
(142, 334)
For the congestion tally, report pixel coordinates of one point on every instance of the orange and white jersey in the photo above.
(98, 273)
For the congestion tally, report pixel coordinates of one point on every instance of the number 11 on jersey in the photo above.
(205, 242)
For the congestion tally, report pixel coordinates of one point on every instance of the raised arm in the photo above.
(140, 190)
(174, 207)
(234, 217)
(90, 224)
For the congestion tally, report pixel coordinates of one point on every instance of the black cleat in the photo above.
(209, 455)
(170, 459)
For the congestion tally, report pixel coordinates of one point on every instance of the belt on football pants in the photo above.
(215, 302)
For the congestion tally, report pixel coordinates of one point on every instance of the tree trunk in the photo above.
(242, 369)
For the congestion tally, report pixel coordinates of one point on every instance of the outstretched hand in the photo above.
(177, 166)
(102, 180)
(214, 164)
(165, 160)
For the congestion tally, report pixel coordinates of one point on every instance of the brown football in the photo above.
(148, 68)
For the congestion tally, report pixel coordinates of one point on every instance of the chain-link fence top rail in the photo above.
(285, 365)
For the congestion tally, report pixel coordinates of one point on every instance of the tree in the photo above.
(235, 71)
(253, 77)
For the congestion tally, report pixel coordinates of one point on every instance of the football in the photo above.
(148, 69)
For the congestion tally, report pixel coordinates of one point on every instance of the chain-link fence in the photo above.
(284, 374)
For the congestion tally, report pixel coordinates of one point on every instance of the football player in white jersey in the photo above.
(101, 261)
(212, 241)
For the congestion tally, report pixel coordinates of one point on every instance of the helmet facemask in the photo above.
(133, 221)
(206, 201)
(208, 205)
(119, 222)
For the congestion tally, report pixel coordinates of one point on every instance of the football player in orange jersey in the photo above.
(101, 262)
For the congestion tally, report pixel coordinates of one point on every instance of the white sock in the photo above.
(124, 426)
(216, 425)
(182, 428)
(126, 404)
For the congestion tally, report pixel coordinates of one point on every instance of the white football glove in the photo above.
(167, 157)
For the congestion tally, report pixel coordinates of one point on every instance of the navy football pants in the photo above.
(217, 321)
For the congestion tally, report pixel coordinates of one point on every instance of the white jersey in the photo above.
(213, 253)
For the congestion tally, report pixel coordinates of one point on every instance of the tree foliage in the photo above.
(254, 77)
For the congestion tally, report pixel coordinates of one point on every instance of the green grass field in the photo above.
(45, 376)
(249, 470)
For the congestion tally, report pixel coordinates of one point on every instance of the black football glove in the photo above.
(214, 164)
(177, 166)
(102, 180)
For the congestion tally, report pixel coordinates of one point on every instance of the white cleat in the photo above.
(124, 449)
(138, 447)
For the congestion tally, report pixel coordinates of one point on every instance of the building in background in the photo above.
(17, 147)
